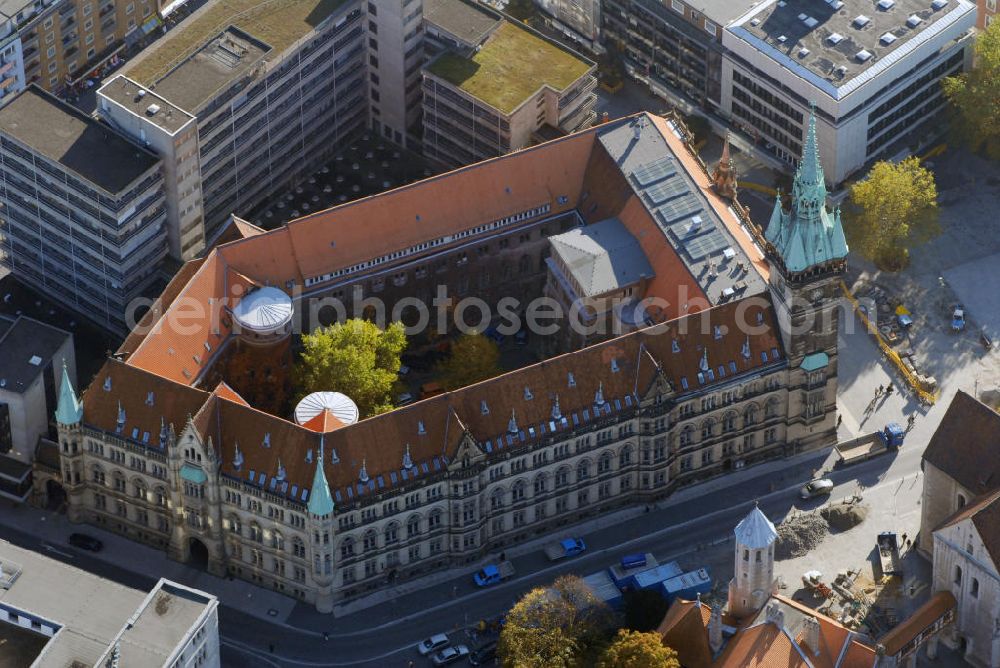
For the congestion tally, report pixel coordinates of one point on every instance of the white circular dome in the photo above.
(340, 405)
(265, 311)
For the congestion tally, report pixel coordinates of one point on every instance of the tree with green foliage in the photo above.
(644, 609)
(975, 95)
(635, 649)
(354, 357)
(473, 358)
(564, 625)
(894, 207)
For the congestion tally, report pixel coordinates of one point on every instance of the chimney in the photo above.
(810, 634)
(715, 629)
(775, 615)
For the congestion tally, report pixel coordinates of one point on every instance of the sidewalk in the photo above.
(53, 529)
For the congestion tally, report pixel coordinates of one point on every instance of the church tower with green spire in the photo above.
(808, 255)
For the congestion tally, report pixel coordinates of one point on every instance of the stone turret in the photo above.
(69, 410)
(724, 174)
(753, 582)
(321, 508)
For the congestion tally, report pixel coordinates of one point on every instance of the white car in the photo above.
(817, 488)
(450, 655)
(433, 643)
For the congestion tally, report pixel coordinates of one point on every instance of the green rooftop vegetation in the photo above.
(510, 67)
(280, 23)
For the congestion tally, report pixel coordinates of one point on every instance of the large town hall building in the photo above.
(728, 358)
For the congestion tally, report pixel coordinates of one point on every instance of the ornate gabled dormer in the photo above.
(407, 459)
(556, 411)
(363, 474)
(599, 395)
(237, 458)
(280, 475)
(724, 174)
(512, 424)
(120, 422)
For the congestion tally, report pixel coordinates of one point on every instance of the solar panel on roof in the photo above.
(261, 479)
(657, 170)
(682, 207)
(305, 494)
(251, 475)
(337, 495)
(705, 245)
(659, 193)
(295, 490)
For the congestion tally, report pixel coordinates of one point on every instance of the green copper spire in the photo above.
(68, 410)
(320, 501)
(808, 235)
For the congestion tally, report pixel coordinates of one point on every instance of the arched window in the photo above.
(347, 547)
(771, 408)
(583, 470)
(707, 427)
(750, 415)
(139, 489)
(412, 526)
(625, 456)
(119, 481)
(496, 499)
(517, 491)
(562, 476)
(541, 484)
(604, 462)
(370, 540)
(298, 548)
(256, 534)
(729, 422)
(687, 436)
(392, 533)
(235, 526)
(160, 496)
(434, 519)
(277, 540)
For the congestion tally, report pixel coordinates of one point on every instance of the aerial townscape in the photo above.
(524, 333)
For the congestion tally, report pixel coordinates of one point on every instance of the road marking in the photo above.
(266, 657)
(55, 550)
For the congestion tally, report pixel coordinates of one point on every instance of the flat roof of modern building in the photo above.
(10, 8)
(840, 44)
(510, 67)
(168, 613)
(79, 143)
(721, 12)
(140, 101)
(226, 58)
(470, 22)
(278, 23)
(90, 609)
(25, 349)
(95, 613)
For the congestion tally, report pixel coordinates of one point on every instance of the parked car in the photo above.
(483, 655)
(85, 542)
(435, 642)
(817, 488)
(450, 655)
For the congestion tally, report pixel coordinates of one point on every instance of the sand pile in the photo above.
(799, 534)
(844, 516)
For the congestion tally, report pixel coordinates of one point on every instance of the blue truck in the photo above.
(890, 437)
(687, 586)
(567, 547)
(493, 573)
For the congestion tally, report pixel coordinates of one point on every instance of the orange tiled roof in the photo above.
(684, 629)
(223, 390)
(323, 422)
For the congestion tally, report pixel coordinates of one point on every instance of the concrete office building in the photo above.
(172, 134)
(675, 47)
(35, 359)
(395, 56)
(52, 614)
(54, 44)
(165, 450)
(577, 19)
(273, 91)
(873, 71)
(84, 210)
(509, 89)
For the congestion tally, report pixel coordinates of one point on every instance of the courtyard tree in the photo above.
(473, 358)
(894, 207)
(975, 95)
(635, 649)
(354, 357)
(564, 624)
